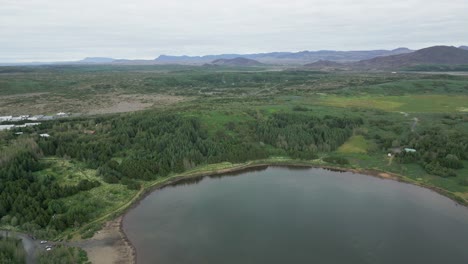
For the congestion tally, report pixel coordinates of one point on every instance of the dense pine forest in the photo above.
(149, 146)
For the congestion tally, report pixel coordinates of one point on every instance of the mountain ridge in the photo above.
(300, 57)
(443, 55)
(435, 55)
(327, 59)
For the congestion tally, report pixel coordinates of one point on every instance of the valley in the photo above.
(135, 128)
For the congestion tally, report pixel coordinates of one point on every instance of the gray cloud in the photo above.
(51, 30)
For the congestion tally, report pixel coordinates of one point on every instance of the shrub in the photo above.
(336, 160)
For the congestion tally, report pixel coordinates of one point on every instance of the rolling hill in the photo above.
(325, 65)
(437, 55)
(239, 61)
(96, 60)
(301, 57)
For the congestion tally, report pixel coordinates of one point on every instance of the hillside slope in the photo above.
(441, 55)
(235, 62)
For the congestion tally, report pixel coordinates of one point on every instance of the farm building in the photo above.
(410, 150)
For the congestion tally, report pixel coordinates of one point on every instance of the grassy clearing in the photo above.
(418, 84)
(67, 172)
(103, 199)
(408, 103)
(216, 120)
(361, 102)
(355, 144)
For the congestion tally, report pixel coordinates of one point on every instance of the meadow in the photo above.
(405, 103)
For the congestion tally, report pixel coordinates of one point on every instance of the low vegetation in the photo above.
(355, 144)
(11, 251)
(63, 254)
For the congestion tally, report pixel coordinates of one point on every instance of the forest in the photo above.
(149, 147)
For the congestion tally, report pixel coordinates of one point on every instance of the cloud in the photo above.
(39, 30)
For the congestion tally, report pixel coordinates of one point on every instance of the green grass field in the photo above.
(355, 144)
(68, 172)
(407, 103)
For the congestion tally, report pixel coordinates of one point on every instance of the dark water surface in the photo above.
(282, 215)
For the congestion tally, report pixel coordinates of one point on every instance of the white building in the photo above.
(28, 124)
(410, 150)
(5, 118)
(36, 117)
(6, 127)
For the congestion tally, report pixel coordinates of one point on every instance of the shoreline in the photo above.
(253, 166)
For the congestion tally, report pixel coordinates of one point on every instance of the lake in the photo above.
(286, 215)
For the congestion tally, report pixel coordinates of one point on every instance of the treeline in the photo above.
(440, 152)
(235, 80)
(303, 136)
(144, 146)
(149, 146)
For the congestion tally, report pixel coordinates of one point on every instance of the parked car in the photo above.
(43, 241)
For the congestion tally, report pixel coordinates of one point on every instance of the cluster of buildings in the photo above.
(20, 118)
(32, 118)
(8, 127)
(399, 150)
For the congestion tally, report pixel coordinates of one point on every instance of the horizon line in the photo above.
(204, 55)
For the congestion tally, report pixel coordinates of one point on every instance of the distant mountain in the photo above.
(323, 59)
(239, 61)
(441, 55)
(302, 57)
(96, 60)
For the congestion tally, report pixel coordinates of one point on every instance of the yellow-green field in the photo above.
(355, 144)
(67, 172)
(406, 103)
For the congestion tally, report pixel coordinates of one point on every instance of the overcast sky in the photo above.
(57, 30)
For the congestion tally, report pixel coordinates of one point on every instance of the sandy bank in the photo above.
(109, 245)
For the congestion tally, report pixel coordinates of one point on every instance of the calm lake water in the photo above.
(281, 215)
